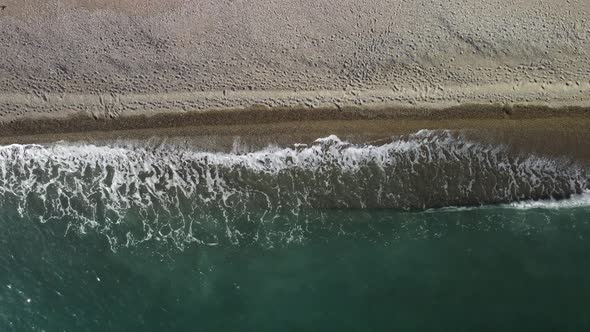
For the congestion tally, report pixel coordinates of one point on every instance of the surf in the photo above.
(137, 191)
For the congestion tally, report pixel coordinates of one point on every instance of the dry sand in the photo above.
(112, 60)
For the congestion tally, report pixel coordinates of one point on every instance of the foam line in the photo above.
(135, 192)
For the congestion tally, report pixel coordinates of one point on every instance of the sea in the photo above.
(431, 231)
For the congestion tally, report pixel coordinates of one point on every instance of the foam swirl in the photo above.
(137, 192)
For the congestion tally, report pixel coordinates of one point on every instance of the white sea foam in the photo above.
(575, 201)
(137, 192)
(581, 200)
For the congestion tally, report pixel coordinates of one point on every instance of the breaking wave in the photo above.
(134, 192)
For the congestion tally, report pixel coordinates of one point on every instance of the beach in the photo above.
(294, 165)
(115, 60)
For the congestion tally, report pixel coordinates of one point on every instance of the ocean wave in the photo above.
(575, 201)
(135, 192)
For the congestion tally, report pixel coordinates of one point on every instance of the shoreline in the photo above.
(110, 105)
(551, 135)
(114, 69)
(58, 121)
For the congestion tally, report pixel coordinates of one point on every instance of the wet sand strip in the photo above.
(554, 132)
(84, 122)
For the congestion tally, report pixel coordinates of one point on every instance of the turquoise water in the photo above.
(332, 237)
(481, 269)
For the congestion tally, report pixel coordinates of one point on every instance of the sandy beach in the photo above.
(87, 63)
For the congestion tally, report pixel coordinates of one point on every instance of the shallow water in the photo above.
(425, 232)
